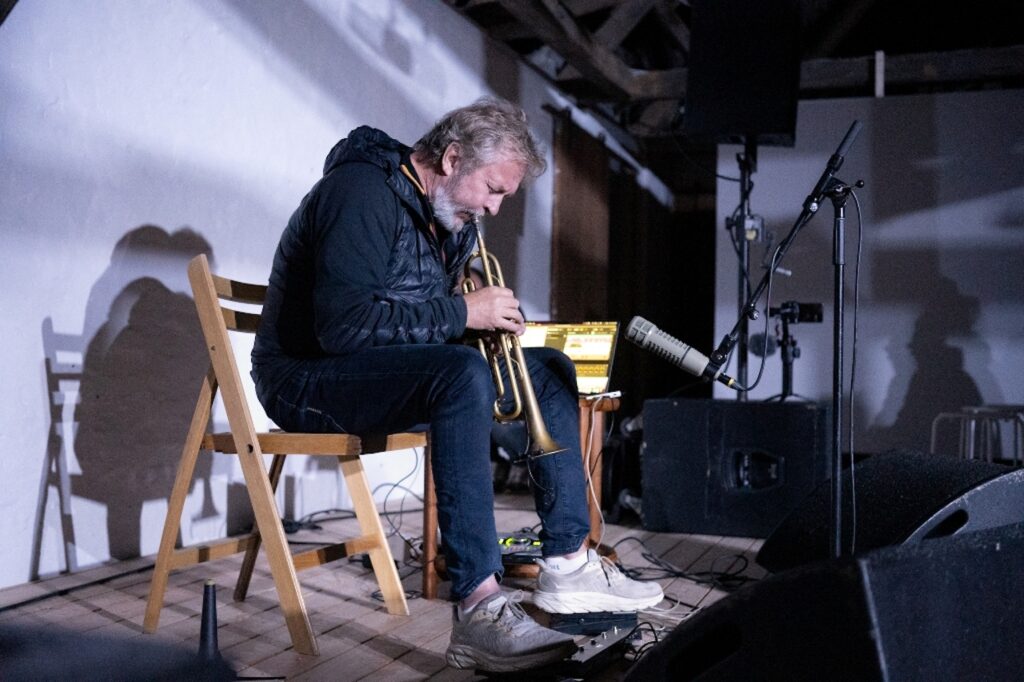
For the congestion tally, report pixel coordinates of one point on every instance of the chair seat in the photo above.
(320, 444)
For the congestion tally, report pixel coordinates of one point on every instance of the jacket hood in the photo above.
(368, 145)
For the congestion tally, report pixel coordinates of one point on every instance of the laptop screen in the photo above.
(590, 346)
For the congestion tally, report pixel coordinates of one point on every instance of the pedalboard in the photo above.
(592, 623)
(597, 651)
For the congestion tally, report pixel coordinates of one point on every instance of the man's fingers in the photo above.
(492, 308)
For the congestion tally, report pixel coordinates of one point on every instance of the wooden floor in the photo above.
(357, 638)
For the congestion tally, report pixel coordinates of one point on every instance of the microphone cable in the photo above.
(853, 370)
(767, 318)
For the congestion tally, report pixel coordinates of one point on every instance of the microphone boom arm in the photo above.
(826, 183)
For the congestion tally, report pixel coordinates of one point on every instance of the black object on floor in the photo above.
(903, 497)
(54, 653)
(940, 609)
(208, 649)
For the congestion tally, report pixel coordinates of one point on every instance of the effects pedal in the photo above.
(594, 623)
(597, 651)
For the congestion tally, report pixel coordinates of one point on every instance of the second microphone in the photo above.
(647, 336)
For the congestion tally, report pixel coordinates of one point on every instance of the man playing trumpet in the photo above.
(360, 333)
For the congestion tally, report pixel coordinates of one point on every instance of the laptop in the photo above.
(590, 346)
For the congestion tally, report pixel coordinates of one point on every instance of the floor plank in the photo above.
(358, 639)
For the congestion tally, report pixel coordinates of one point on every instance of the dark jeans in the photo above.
(449, 387)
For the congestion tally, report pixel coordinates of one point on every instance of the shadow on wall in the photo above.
(938, 381)
(963, 147)
(139, 379)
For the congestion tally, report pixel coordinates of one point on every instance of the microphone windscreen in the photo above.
(638, 329)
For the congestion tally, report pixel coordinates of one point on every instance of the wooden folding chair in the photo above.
(250, 446)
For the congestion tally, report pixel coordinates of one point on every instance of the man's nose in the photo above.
(492, 206)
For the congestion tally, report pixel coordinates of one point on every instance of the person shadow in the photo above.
(140, 375)
(940, 382)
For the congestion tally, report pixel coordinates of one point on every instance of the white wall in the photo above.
(134, 134)
(941, 291)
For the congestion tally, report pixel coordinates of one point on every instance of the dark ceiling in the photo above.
(628, 60)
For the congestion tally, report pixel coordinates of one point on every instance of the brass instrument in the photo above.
(523, 398)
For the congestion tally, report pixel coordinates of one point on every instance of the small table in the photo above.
(592, 414)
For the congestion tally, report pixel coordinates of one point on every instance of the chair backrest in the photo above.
(216, 320)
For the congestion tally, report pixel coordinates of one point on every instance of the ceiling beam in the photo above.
(958, 67)
(835, 24)
(582, 7)
(465, 5)
(665, 10)
(559, 30)
(511, 30)
(622, 21)
(556, 28)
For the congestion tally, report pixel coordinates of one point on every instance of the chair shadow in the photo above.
(136, 368)
(62, 361)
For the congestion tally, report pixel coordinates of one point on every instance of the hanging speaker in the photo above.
(902, 497)
(743, 74)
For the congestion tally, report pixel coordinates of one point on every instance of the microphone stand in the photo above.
(827, 185)
(747, 162)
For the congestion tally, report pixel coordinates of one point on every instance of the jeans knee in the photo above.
(555, 372)
(469, 377)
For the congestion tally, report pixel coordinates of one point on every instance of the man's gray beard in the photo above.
(445, 209)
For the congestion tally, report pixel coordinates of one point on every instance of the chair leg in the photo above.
(369, 522)
(268, 523)
(176, 502)
(253, 548)
(430, 574)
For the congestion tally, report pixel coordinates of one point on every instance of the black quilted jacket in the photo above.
(358, 266)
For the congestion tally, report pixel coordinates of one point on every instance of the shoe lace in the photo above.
(611, 571)
(511, 614)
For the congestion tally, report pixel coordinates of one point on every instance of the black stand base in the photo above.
(208, 649)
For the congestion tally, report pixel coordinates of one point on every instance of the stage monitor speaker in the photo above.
(943, 609)
(902, 497)
(743, 74)
(722, 467)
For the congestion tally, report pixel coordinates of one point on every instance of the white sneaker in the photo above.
(498, 636)
(598, 585)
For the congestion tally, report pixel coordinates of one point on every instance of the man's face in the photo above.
(466, 196)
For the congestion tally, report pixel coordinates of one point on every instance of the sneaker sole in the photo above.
(463, 656)
(590, 602)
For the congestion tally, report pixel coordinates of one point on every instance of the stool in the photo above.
(981, 432)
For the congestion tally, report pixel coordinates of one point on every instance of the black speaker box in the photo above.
(743, 75)
(722, 467)
(942, 609)
(901, 497)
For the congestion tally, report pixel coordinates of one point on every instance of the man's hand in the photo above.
(493, 308)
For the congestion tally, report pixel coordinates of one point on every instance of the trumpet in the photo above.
(520, 393)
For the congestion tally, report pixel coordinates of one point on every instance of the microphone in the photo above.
(647, 336)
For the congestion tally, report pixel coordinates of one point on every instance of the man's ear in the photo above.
(451, 158)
